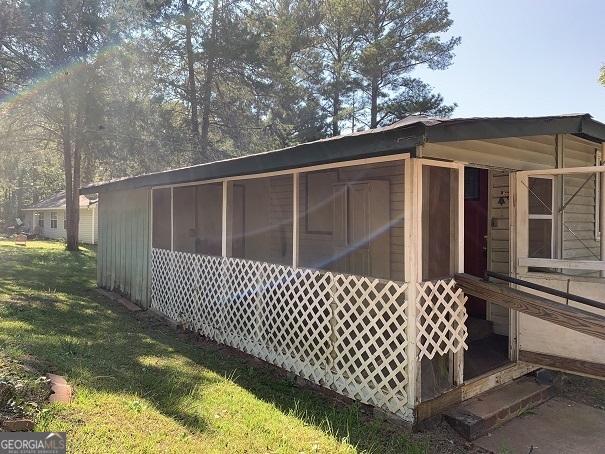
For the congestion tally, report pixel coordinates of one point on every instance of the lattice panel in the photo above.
(340, 331)
(441, 318)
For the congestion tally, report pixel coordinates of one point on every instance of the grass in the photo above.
(142, 388)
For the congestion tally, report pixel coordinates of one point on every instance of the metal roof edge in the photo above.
(345, 148)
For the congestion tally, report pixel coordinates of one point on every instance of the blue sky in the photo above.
(532, 57)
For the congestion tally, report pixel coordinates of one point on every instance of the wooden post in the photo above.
(411, 262)
(172, 218)
(602, 208)
(295, 218)
(224, 219)
(458, 360)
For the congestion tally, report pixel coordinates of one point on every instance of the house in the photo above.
(47, 218)
(356, 261)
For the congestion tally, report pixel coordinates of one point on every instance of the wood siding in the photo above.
(123, 251)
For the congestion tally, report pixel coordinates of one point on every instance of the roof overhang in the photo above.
(401, 137)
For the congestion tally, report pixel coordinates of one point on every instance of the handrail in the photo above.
(550, 291)
(572, 317)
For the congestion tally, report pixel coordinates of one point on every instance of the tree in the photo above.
(602, 75)
(398, 36)
(338, 40)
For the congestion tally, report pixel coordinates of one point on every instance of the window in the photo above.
(41, 220)
(53, 219)
(472, 183)
(541, 219)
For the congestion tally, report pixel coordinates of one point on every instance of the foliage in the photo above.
(93, 90)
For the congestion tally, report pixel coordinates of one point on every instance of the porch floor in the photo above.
(485, 354)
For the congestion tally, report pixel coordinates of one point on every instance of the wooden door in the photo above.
(475, 231)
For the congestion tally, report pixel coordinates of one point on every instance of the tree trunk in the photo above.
(192, 90)
(374, 103)
(336, 106)
(208, 81)
(72, 241)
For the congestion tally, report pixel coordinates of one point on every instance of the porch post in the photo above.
(412, 257)
(295, 218)
(602, 208)
(224, 220)
(171, 218)
(458, 359)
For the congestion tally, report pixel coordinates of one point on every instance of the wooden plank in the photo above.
(536, 306)
(571, 365)
(594, 265)
(564, 171)
(472, 388)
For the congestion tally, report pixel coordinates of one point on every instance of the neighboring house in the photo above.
(47, 218)
(341, 260)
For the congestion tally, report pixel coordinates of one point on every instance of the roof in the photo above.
(58, 201)
(400, 137)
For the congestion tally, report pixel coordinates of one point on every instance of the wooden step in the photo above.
(477, 416)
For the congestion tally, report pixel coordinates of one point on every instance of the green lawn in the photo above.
(141, 387)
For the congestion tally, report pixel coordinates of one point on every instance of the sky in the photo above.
(524, 58)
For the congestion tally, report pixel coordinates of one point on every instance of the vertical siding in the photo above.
(123, 247)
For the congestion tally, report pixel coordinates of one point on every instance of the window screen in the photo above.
(53, 220)
(161, 218)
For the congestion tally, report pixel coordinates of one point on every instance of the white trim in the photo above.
(563, 171)
(339, 164)
(551, 217)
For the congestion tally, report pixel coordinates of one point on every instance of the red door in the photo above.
(475, 231)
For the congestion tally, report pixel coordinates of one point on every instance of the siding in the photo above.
(499, 241)
(123, 251)
(85, 234)
(580, 214)
(313, 246)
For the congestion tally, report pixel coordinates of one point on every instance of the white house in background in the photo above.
(47, 218)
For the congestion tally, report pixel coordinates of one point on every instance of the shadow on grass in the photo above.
(98, 343)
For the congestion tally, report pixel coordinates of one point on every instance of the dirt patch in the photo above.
(588, 391)
(23, 394)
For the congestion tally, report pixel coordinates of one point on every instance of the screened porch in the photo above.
(320, 271)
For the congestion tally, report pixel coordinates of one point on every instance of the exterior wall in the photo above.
(313, 246)
(123, 251)
(530, 153)
(85, 233)
(581, 214)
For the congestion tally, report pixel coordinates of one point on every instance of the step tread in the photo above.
(478, 415)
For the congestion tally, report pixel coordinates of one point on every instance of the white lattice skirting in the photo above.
(441, 318)
(344, 332)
